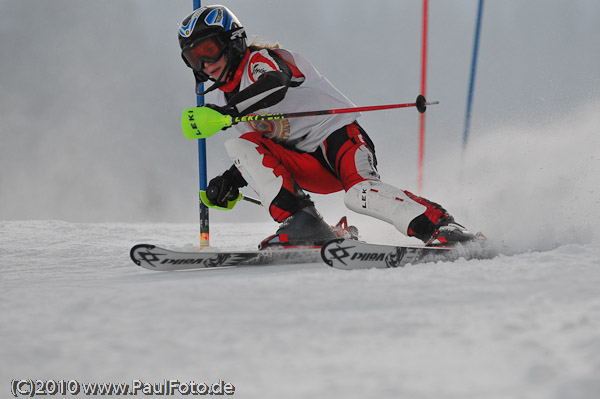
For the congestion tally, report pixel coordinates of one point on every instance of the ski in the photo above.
(159, 259)
(347, 254)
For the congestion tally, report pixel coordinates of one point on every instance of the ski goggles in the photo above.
(206, 50)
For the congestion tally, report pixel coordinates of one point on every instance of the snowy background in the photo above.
(92, 161)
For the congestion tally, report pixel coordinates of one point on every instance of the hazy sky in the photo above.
(93, 91)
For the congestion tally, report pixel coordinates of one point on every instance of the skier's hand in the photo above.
(228, 206)
(220, 191)
(225, 188)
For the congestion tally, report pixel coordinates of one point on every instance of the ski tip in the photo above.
(327, 254)
(133, 253)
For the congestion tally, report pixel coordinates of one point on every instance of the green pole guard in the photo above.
(230, 204)
(203, 122)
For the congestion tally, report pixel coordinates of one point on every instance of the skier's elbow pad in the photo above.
(268, 90)
(279, 83)
(276, 78)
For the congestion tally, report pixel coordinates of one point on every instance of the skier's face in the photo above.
(214, 69)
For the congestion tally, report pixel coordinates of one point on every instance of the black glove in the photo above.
(225, 187)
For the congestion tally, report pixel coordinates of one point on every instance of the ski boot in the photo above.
(305, 228)
(343, 230)
(450, 233)
(465, 244)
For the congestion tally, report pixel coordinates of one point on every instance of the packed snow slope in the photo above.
(75, 307)
(523, 325)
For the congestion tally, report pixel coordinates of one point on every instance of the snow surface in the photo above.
(75, 307)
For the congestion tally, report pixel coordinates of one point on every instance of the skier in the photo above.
(282, 159)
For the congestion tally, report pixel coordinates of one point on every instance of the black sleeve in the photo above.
(235, 176)
(268, 90)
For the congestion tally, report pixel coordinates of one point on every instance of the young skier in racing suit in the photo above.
(281, 159)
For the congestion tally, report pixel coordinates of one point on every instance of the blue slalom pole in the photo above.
(472, 79)
(203, 181)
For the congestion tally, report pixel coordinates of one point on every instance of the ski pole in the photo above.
(203, 122)
(251, 200)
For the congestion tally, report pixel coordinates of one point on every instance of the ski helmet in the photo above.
(207, 34)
